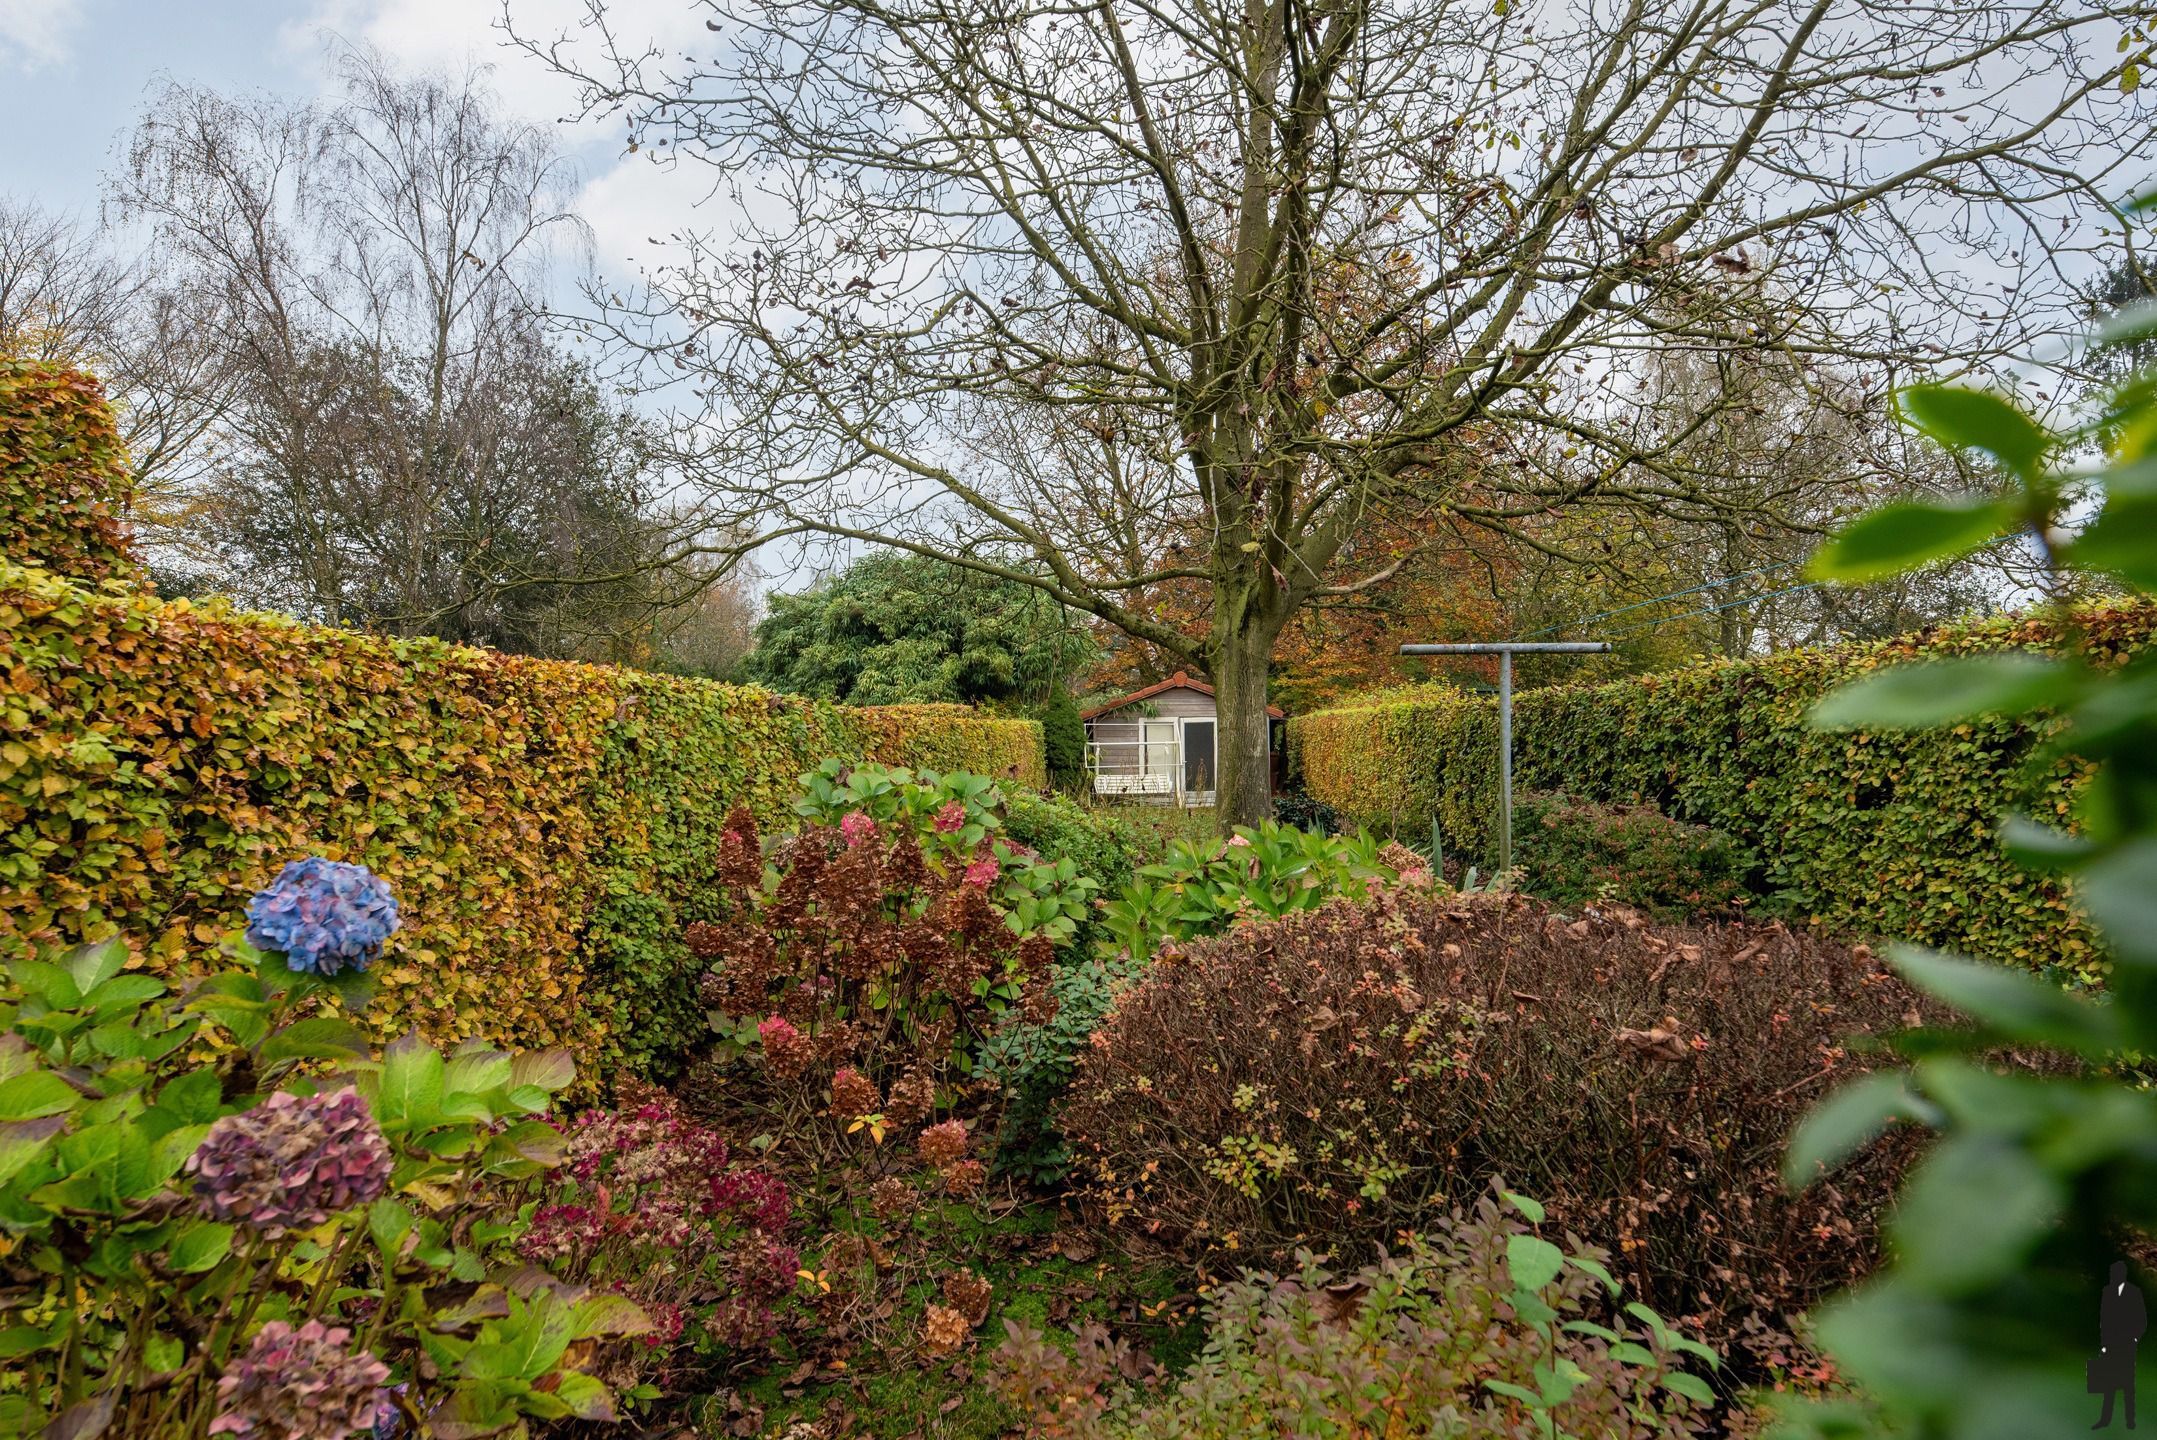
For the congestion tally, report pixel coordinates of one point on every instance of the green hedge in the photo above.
(1572, 852)
(1872, 834)
(548, 827)
(64, 481)
(951, 737)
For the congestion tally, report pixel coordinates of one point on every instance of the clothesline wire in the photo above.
(1715, 609)
(1673, 595)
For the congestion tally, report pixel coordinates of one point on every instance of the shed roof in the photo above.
(1178, 681)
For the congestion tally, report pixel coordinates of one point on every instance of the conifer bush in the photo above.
(1063, 742)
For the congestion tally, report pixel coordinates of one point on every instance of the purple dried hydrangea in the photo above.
(323, 916)
(304, 1384)
(291, 1162)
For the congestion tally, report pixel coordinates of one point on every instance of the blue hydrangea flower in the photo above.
(323, 916)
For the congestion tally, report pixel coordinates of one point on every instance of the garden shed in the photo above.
(1158, 744)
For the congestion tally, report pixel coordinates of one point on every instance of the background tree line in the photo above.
(340, 384)
(1258, 336)
(1261, 302)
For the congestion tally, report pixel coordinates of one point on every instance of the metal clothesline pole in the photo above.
(1505, 650)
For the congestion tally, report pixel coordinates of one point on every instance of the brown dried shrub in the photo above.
(1339, 1077)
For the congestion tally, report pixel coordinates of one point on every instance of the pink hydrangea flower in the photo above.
(786, 1053)
(951, 818)
(666, 1324)
(753, 1197)
(983, 871)
(291, 1162)
(857, 829)
(304, 1384)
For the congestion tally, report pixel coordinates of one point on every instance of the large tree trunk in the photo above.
(1241, 659)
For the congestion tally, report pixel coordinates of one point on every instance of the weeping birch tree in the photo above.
(1098, 296)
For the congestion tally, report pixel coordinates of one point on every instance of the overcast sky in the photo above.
(74, 75)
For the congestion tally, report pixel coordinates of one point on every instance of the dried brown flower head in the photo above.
(943, 1330)
(965, 1177)
(945, 1143)
(892, 1198)
(853, 1095)
(968, 1294)
(912, 1098)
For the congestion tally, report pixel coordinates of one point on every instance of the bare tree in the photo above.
(1268, 263)
(65, 296)
(60, 292)
(405, 447)
(711, 631)
(1791, 446)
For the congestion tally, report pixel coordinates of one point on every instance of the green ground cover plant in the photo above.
(1106, 846)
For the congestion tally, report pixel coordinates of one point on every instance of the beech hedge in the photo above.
(64, 481)
(548, 827)
(1874, 834)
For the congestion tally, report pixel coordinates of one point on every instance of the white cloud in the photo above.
(37, 33)
(628, 201)
(442, 35)
(446, 34)
(637, 210)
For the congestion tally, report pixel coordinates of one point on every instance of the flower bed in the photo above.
(228, 1215)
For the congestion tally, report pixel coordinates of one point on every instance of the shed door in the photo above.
(1158, 752)
(1198, 769)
